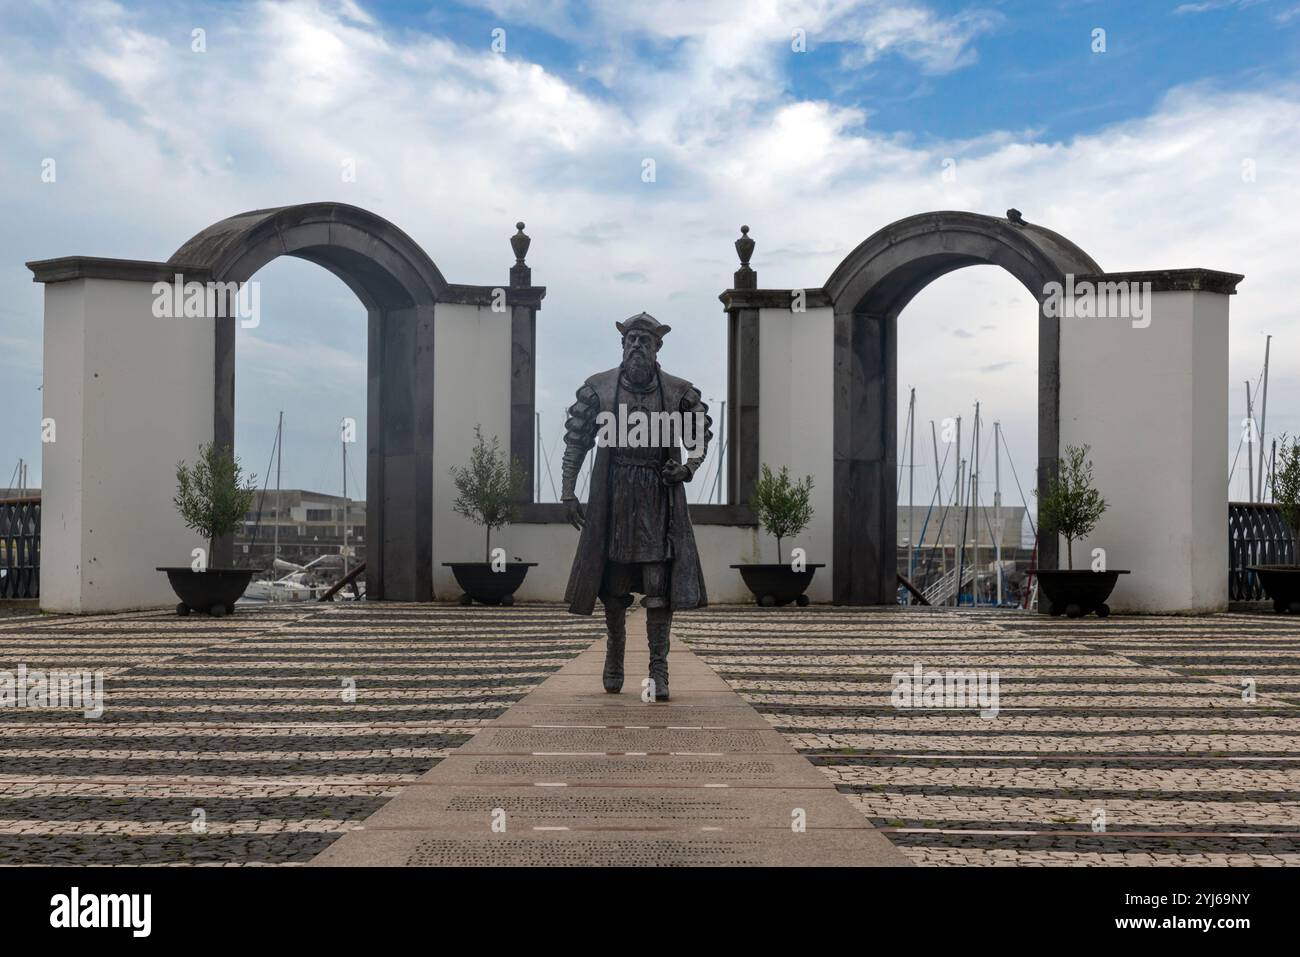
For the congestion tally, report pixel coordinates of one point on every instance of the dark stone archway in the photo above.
(399, 286)
(867, 291)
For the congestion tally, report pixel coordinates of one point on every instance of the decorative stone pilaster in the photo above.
(742, 377)
(523, 368)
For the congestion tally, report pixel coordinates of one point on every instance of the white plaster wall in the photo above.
(62, 395)
(131, 395)
(795, 424)
(471, 352)
(552, 547)
(1152, 402)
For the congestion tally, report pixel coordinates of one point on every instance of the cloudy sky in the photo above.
(1177, 146)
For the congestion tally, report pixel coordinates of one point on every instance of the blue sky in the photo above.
(1135, 153)
(1027, 62)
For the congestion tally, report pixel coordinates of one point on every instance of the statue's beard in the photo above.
(638, 367)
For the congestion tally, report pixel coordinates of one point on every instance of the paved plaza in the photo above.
(401, 734)
(244, 720)
(1141, 718)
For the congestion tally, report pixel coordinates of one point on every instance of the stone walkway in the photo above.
(236, 740)
(1132, 741)
(574, 776)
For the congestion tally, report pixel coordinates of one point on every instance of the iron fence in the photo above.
(1257, 535)
(20, 548)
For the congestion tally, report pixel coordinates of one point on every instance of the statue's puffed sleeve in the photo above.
(579, 437)
(693, 406)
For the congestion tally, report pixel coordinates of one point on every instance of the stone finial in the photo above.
(519, 242)
(520, 274)
(745, 277)
(745, 247)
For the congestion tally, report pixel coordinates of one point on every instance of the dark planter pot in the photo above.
(778, 584)
(485, 586)
(213, 592)
(1282, 584)
(1076, 593)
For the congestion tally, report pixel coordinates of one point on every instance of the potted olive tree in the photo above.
(784, 509)
(487, 491)
(1282, 582)
(212, 496)
(1071, 509)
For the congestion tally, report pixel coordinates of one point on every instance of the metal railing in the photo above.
(20, 548)
(1257, 535)
(942, 590)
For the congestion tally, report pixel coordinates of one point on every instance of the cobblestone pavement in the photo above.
(231, 741)
(1142, 725)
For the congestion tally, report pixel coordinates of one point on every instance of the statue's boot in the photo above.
(615, 643)
(658, 623)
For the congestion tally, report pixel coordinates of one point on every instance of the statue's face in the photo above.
(639, 351)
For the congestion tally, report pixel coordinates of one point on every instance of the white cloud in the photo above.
(1203, 6)
(939, 45)
(455, 144)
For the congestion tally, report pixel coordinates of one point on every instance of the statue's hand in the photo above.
(573, 512)
(675, 473)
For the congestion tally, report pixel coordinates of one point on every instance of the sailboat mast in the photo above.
(1250, 458)
(344, 442)
(911, 473)
(938, 494)
(1272, 471)
(959, 549)
(997, 503)
(956, 498)
(279, 450)
(1263, 416)
(722, 451)
(975, 504)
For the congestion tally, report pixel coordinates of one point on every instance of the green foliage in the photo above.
(213, 495)
(488, 489)
(1286, 482)
(782, 506)
(1071, 506)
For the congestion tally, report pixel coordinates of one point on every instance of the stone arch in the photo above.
(867, 292)
(399, 285)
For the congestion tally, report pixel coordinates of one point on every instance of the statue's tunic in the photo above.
(638, 501)
(628, 504)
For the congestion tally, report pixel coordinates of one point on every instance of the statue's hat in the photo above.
(643, 320)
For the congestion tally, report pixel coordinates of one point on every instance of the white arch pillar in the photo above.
(1151, 399)
(129, 395)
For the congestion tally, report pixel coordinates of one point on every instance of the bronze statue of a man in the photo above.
(636, 531)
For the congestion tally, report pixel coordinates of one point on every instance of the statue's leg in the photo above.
(659, 619)
(615, 599)
(657, 626)
(615, 642)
